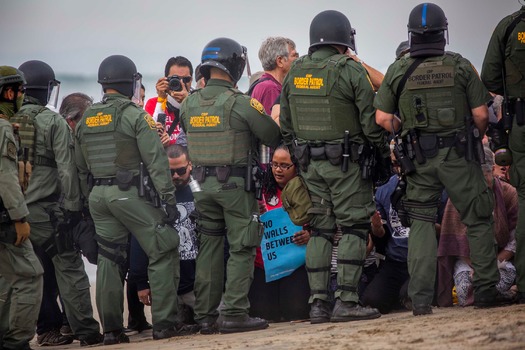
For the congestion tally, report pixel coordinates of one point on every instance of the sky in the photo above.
(73, 36)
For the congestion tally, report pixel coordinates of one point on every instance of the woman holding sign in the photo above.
(280, 289)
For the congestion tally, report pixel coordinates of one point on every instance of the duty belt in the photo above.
(212, 171)
(447, 141)
(39, 160)
(110, 181)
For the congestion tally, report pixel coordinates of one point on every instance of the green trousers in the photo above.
(468, 191)
(21, 286)
(352, 201)
(116, 213)
(222, 206)
(517, 179)
(72, 280)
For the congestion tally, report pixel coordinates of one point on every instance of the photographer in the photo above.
(172, 89)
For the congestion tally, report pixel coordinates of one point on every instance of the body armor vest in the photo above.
(432, 99)
(211, 139)
(105, 147)
(515, 61)
(32, 148)
(318, 112)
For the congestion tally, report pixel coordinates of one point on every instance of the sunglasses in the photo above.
(179, 171)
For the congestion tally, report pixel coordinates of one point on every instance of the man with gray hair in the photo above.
(276, 55)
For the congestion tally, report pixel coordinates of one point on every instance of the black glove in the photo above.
(71, 219)
(172, 214)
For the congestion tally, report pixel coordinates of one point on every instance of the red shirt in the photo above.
(150, 106)
(270, 203)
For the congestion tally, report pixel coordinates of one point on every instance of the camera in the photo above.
(174, 83)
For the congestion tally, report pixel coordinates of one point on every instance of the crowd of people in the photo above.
(327, 192)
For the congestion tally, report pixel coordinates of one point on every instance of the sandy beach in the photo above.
(448, 328)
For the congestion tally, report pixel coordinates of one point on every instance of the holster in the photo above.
(302, 154)
(354, 152)
(199, 173)
(223, 173)
(124, 179)
(334, 153)
(429, 145)
(317, 153)
(461, 143)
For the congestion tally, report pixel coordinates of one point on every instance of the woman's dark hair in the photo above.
(269, 183)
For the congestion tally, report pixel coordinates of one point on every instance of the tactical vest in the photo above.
(32, 149)
(211, 139)
(105, 148)
(515, 61)
(432, 99)
(317, 113)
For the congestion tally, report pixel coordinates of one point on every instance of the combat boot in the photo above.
(345, 311)
(487, 300)
(208, 327)
(421, 309)
(245, 323)
(320, 311)
(115, 337)
(53, 338)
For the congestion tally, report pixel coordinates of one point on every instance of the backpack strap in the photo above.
(405, 76)
(254, 84)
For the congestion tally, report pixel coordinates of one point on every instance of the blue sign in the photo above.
(280, 254)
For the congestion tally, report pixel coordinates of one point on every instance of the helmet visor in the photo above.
(137, 83)
(53, 89)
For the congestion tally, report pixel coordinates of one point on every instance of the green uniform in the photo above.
(222, 124)
(20, 270)
(323, 95)
(434, 101)
(512, 55)
(54, 175)
(111, 139)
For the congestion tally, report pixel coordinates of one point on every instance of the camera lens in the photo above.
(174, 83)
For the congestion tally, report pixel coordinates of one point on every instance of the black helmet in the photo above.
(119, 73)
(427, 25)
(41, 83)
(331, 27)
(427, 18)
(10, 76)
(225, 54)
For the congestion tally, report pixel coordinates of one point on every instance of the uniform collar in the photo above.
(219, 82)
(324, 52)
(112, 97)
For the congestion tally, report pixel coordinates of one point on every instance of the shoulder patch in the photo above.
(150, 121)
(11, 150)
(257, 105)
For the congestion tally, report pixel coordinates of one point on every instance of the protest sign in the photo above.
(280, 255)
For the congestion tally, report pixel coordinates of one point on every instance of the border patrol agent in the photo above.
(54, 175)
(326, 95)
(433, 96)
(223, 125)
(20, 271)
(112, 139)
(506, 56)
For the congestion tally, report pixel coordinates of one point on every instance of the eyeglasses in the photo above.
(281, 166)
(179, 171)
